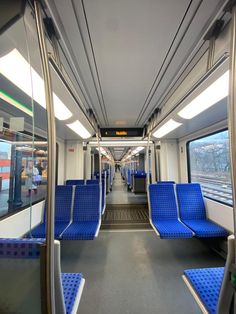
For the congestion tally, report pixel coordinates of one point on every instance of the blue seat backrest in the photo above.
(20, 290)
(163, 202)
(86, 203)
(128, 176)
(140, 175)
(191, 202)
(63, 200)
(165, 182)
(74, 182)
(92, 182)
(20, 248)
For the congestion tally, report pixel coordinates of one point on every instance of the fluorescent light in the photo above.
(210, 96)
(10, 100)
(166, 128)
(79, 129)
(17, 70)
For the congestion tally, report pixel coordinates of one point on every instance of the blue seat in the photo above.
(164, 215)
(71, 283)
(212, 286)
(75, 182)
(103, 192)
(165, 182)
(63, 203)
(21, 263)
(193, 213)
(207, 284)
(95, 181)
(86, 214)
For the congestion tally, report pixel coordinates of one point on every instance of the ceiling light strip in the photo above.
(168, 127)
(30, 82)
(79, 129)
(217, 91)
(10, 100)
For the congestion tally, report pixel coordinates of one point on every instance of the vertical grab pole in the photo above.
(100, 173)
(49, 268)
(148, 166)
(232, 113)
(148, 179)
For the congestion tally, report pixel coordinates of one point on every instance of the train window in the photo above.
(23, 154)
(23, 170)
(209, 165)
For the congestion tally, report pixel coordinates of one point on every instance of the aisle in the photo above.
(120, 195)
(125, 210)
(135, 272)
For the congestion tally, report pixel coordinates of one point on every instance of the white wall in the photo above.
(220, 213)
(17, 225)
(88, 163)
(61, 162)
(169, 160)
(74, 158)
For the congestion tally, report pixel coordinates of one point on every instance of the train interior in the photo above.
(139, 184)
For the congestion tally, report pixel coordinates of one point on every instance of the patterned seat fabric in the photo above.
(95, 181)
(172, 229)
(20, 248)
(164, 212)
(205, 228)
(207, 284)
(81, 231)
(75, 182)
(63, 202)
(71, 283)
(193, 213)
(86, 214)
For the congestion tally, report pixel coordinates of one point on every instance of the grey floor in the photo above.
(120, 195)
(134, 272)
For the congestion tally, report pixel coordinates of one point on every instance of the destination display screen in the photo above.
(120, 132)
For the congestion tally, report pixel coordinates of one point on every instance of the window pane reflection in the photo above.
(23, 170)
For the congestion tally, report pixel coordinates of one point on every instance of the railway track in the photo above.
(216, 188)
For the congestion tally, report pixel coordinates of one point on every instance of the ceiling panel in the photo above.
(120, 46)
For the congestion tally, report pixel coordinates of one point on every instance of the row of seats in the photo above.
(77, 213)
(23, 291)
(186, 220)
(88, 182)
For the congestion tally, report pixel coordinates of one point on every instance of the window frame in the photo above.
(189, 162)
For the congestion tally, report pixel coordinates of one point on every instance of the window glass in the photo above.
(209, 165)
(23, 154)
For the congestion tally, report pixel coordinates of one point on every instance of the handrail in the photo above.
(51, 170)
(100, 171)
(232, 111)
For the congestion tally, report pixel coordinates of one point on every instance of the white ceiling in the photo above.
(120, 46)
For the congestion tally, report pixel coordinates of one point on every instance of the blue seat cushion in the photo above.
(205, 228)
(84, 230)
(207, 284)
(172, 229)
(39, 231)
(71, 284)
